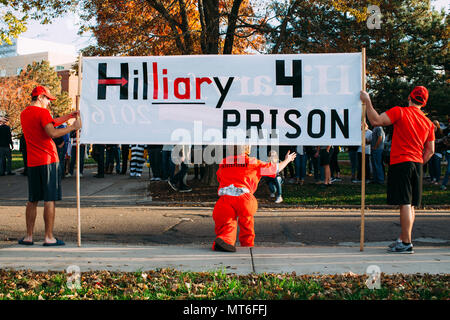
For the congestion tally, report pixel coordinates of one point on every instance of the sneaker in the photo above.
(443, 187)
(185, 189)
(279, 199)
(272, 195)
(68, 175)
(220, 245)
(393, 244)
(172, 185)
(402, 248)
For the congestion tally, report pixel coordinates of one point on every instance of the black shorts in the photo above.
(324, 157)
(404, 184)
(44, 183)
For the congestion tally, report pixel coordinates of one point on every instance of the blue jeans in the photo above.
(300, 166)
(377, 164)
(73, 158)
(435, 167)
(62, 161)
(354, 162)
(275, 185)
(178, 179)
(447, 173)
(316, 167)
(5, 160)
(168, 167)
(113, 156)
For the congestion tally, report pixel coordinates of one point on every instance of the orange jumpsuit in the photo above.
(238, 178)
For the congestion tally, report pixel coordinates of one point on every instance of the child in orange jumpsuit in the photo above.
(238, 177)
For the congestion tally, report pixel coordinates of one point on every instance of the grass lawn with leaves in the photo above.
(168, 284)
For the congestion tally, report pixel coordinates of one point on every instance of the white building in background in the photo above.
(24, 51)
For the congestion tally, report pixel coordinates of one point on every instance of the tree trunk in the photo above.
(232, 19)
(211, 31)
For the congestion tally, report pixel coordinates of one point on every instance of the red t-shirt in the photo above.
(412, 129)
(41, 149)
(244, 171)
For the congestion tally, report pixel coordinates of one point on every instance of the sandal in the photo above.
(57, 243)
(25, 243)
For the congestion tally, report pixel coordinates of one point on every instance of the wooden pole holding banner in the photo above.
(78, 155)
(363, 151)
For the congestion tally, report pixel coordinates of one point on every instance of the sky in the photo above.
(64, 30)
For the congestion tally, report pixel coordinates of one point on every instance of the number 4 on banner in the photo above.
(295, 80)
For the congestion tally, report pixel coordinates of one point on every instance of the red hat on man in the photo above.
(419, 95)
(42, 90)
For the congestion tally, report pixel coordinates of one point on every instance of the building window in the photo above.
(59, 68)
(19, 70)
(3, 73)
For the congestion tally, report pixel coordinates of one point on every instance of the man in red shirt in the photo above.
(412, 146)
(44, 182)
(238, 177)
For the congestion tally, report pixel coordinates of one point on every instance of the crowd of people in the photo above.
(320, 162)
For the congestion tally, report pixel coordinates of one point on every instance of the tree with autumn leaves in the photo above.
(163, 27)
(410, 48)
(15, 93)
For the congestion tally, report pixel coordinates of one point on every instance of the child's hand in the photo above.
(290, 156)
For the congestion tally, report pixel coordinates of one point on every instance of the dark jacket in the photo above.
(5, 137)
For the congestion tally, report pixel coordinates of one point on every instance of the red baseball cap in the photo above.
(42, 90)
(419, 95)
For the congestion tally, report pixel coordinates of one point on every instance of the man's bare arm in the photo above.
(375, 119)
(428, 151)
(54, 133)
(61, 120)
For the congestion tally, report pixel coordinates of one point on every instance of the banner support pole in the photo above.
(363, 151)
(78, 155)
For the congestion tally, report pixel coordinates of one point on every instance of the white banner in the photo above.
(304, 99)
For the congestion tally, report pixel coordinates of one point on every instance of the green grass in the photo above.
(17, 160)
(168, 284)
(350, 194)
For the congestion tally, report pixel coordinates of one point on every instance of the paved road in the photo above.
(192, 225)
(117, 209)
(123, 230)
